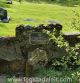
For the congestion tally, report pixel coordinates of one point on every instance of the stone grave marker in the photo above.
(4, 15)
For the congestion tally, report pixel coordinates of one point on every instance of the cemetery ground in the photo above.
(34, 14)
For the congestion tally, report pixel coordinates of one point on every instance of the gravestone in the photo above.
(31, 48)
(35, 45)
(4, 16)
(8, 1)
(22, 52)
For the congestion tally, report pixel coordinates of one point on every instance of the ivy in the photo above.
(73, 55)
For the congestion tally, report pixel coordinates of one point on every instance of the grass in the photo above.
(71, 76)
(40, 13)
(74, 75)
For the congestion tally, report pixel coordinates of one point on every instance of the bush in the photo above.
(71, 60)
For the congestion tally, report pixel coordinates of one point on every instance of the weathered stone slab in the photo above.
(4, 15)
(71, 33)
(72, 38)
(9, 49)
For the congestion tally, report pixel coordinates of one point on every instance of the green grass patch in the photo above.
(40, 13)
(57, 75)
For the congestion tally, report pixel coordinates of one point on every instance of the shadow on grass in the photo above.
(69, 3)
(3, 4)
(2, 25)
(62, 2)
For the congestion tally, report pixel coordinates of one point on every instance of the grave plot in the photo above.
(31, 48)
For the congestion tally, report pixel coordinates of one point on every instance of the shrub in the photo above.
(71, 60)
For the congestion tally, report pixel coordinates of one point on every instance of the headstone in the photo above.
(3, 15)
(8, 1)
(35, 46)
(31, 48)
